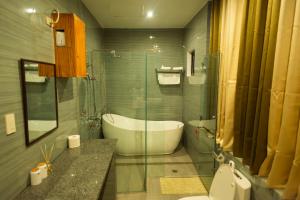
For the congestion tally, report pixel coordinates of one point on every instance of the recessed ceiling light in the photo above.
(149, 14)
(30, 10)
(151, 37)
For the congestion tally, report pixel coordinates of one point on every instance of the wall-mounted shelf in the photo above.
(169, 71)
(169, 77)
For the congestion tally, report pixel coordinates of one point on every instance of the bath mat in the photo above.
(180, 185)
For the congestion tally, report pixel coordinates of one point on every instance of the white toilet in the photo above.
(228, 184)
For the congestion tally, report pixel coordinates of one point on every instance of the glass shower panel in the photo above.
(200, 110)
(123, 84)
(166, 155)
(193, 102)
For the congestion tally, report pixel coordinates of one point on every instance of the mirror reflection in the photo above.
(39, 99)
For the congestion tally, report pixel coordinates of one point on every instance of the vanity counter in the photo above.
(79, 173)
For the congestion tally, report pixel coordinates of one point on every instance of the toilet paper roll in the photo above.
(74, 141)
(35, 176)
(43, 168)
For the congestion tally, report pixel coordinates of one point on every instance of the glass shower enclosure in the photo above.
(123, 95)
(122, 83)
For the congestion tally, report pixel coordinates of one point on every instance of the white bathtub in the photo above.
(162, 136)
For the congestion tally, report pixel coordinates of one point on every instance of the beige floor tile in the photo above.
(130, 178)
(130, 175)
(180, 156)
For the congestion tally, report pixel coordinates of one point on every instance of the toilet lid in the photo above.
(223, 185)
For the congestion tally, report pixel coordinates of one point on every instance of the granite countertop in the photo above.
(78, 173)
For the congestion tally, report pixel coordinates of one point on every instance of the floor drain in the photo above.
(174, 170)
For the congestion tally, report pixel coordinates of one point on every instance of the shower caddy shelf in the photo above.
(169, 71)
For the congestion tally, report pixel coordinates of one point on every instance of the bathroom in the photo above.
(149, 99)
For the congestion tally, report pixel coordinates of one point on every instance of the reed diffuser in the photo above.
(47, 154)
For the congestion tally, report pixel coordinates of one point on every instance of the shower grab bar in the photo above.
(209, 133)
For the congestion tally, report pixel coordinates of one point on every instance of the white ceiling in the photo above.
(132, 13)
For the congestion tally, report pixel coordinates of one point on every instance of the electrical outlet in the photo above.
(10, 123)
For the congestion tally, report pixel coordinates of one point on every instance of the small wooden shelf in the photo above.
(70, 59)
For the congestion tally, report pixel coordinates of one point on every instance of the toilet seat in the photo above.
(222, 187)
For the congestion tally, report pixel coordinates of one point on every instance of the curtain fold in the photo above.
(250, 61)
(298, 196)
(254, 79)
(281, 63)
(285, 167)
(294, 177)
(246, 22)
(260, 133)
(231, 15)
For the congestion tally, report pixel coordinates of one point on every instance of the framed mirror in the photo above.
(38, 84)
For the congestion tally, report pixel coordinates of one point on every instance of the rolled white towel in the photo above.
(177, 68)
(165, 68)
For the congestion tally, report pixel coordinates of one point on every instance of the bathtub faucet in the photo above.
(105, 110)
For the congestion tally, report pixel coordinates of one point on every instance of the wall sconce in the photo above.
(50, 21)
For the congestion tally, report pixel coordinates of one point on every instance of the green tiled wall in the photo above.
(24, 35)
(126, 76)
(195, 38)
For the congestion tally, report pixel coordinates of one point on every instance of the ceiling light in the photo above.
(30, 10)
(149, 14)
(151, 37)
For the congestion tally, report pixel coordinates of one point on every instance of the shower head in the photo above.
(114, 54)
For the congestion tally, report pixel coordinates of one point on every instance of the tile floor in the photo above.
(131, 172)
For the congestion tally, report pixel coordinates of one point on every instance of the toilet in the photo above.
(228, 184)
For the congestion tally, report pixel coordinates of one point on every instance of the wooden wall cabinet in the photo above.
(70, 58)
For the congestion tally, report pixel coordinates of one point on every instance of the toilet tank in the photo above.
(242, 187)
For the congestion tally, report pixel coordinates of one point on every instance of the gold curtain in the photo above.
(231, 23)
(285, 105)
(250, 57)
(259, 88)
(279, 81)
(259, 146)
(293, 183)
(256, 61)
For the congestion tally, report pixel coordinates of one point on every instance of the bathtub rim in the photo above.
(179, 124)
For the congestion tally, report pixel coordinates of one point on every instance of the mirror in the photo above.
(39, 99)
